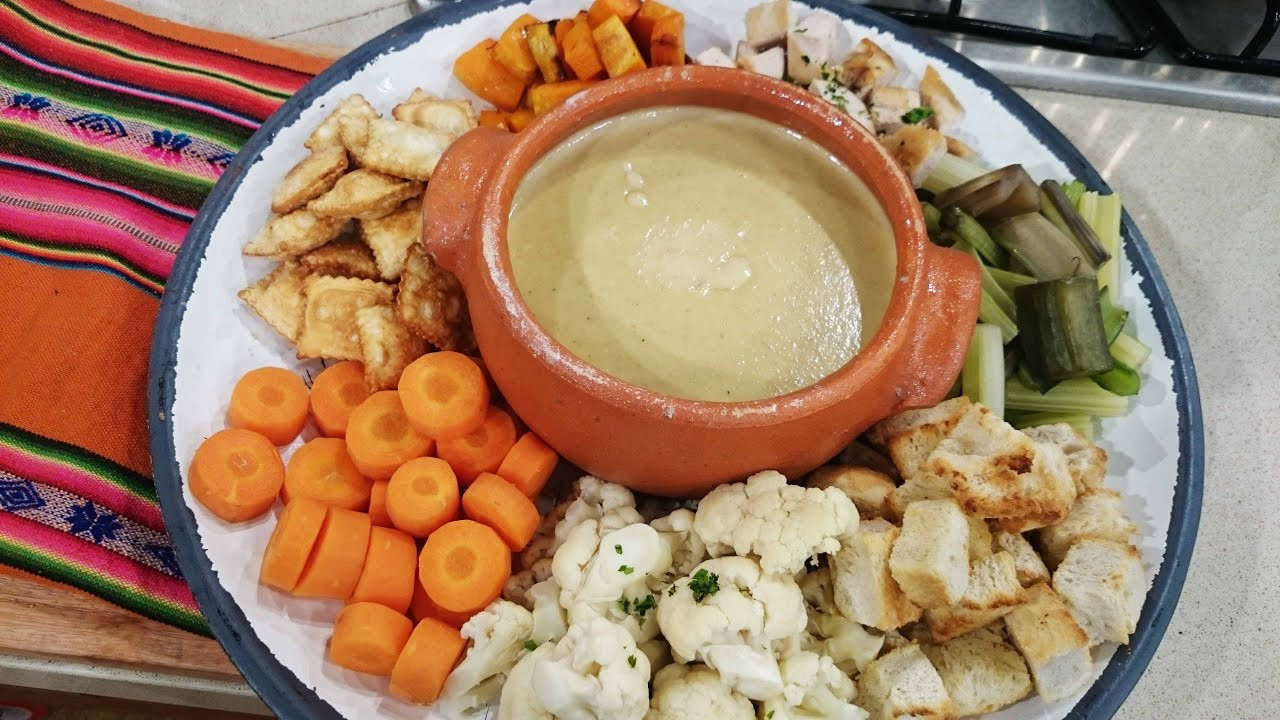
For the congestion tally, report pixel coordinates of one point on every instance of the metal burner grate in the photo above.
(1208, 34)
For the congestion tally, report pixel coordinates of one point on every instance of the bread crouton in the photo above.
(1103, 583)
(861, 454)
(981, 672)
(1098, 514)
(998, 472)
(993, 592)
(1086, 462)
(1031, 569)
(1054, 645)
(930, 559)
(922, 487)
(865, 590)
(904, 684)
(911, 436)
(980, 541)
(869, 490)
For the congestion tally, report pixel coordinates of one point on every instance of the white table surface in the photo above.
(1202, 186)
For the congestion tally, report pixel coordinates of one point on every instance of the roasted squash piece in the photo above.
(642, 24)
(545, 52)
(618, 51)
(513, 52)
(560, 28)
(483, 75)
(521, 118)
(580, 52)
(494, 118)
(544, 97)
(667, 44)
(601, 10)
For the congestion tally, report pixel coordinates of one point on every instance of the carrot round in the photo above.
(426, 661)
(368, 638)
(528, 464)
(390, 570)
(464, 565)
(481, 450)
(270, 401)
(335, 392)
(322, 469)
(334, 567)
(291, 542)
(380, 438)
(422, 496)
(236, 474)
(378, 505)
(500, 505)
(445, 394)
(422, 606)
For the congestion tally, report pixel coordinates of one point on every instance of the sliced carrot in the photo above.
(482, 74)
(513, 51)
(368, 638)
(488, 378)
(464, 566)
(380, 437)
(444, 394)
(390, 570)
(426, 661)
(334, 567)
(641, 25)
(322, 469)
(378, 505)
(422, 606)
(270, 401)
(422, 496)
(528, 464)
(237, 474)
(500, 505)
(335, 392)
(291, 542)
(481, 450)
(580, 52)
(492, 118)
(601, 10)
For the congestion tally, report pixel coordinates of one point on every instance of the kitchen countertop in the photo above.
(1196, 182)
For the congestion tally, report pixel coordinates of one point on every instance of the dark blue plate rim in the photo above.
(281, 690)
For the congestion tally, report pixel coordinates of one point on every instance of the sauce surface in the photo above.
(701, 253)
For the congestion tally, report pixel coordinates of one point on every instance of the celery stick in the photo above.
(950, 172)
(989, 312)
(1120, 379)
(982, 379)
(990, 308)
(1073, 190)
(1129, 350)
(1076, 395)
(1106, 223)
(1048, 210)
(1010, 281)
(1082, 424)
(989, 285)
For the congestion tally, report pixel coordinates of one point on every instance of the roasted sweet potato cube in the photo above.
(580, 52)
(618, 51)
(667, 44)
(560, 29)
(601, 10)
(483, 75)
(642, 24)
(513, 52)
(494, 118)
(544, 97)
(545, 52)
(521, 118)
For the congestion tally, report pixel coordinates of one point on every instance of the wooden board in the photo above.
(42, 619)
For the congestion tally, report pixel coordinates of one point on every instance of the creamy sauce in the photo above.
(701, 253)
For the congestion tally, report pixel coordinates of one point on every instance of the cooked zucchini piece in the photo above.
(1060, 323)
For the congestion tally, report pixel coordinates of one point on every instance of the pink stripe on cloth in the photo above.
(87, 485)
(95, 560)
(91, 181)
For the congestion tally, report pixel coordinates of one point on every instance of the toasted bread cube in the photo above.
(513, 51)
(1086, 462)
(981, 672)
(810, 45)
(869, 490)
(865, 590)
(961, 149)
(601, 10)
(844, 99)
(922, 487)
(992, 593)
(546, 53)
(767, 24)
(860, 454)
(1054, 645)
(904, 684)
(911, 436)
(713, 57)
(917, 150)
(889, 104)
(1097, 514)
(1031, 569)
(948, 113)
(618, 51)
(979, 538)
(544, 97)
(1104, 584)
(930, 559)
(866, 67)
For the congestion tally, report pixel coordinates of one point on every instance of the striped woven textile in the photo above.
(114, 126)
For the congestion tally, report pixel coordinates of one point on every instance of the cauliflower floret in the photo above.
(519, 700)
(595, 673)
(658, 652)
(687, 549)
(608, 576)
(612, 504)
(726, 614)
(549, 622)
(497, 636)
(814, 688)
(689, 692)
(845, 641)
(782, 525)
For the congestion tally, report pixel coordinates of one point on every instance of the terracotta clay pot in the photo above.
(672, 446)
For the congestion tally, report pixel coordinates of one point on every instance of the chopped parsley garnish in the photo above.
(626, 569)
(672, 590)
(917, 115)
(617, 549)
(800, 30)
(640, 608)
(806, 59)
(624, 604)
(769, 715)
(631, 660)
(827, 73)
(530, 645)
(702, 584)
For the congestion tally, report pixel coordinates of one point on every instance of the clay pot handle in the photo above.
(455, 194)
(948, 311)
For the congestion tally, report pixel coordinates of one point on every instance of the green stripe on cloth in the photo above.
(67, 454)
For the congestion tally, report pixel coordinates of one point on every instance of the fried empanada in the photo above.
(329, 327)
(391, 235)
(431, 303)
(451, 117)
(387, 346)
(364, 194)
(344, 257)
(326, 133)
(277, 298)
(311, 178)
(285, 236)
(398, 148)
